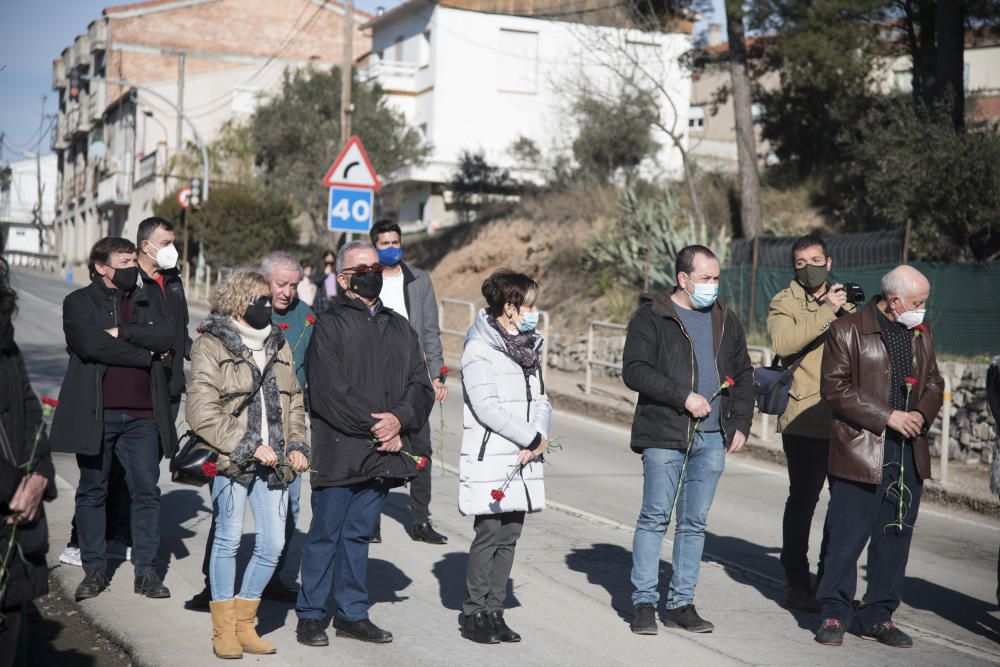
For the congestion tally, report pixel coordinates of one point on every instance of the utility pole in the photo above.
(180, 102)
(38, 178)
(345, 73)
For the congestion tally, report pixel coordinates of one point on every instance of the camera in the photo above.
(855, 294)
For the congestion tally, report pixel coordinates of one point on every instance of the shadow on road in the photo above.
(958, 608)
(177, 507)
(450, 573)
(609, 566)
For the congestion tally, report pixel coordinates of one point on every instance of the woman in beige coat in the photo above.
(260, 450)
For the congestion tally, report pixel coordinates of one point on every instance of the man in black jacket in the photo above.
(115, 403)
(681, 351)
(368, 393)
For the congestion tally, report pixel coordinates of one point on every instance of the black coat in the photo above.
(173, 302)
(21, 421)
(358, 364)
(78, 424)
(659, 363)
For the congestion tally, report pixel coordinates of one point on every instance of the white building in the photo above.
(26, 237)
(474, 80)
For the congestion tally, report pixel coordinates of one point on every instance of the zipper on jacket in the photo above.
(691, 349)
(482, 448)
(527, 391)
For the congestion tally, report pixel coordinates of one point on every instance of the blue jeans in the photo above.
(229, 503)
(135, 443)
(336, 552)
(661, 468)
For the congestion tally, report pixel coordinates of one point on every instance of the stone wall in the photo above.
(973, 430)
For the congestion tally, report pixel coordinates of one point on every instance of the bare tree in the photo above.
(751, 221)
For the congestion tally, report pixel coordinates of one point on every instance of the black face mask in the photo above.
(367, 285)
(126, 279)
(258, 314)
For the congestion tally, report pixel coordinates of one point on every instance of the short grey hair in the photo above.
(902, 281)
(348, 247)
(280, 259)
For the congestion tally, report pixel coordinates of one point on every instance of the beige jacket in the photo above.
(222, 374)
(793, 322)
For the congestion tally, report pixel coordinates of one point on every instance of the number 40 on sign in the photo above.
(350, 210)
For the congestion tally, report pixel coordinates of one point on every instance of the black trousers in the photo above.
(807, 464)
(134, 442)
(14, 636)
(859, 514)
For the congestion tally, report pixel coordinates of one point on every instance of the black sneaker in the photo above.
(363, 630)
(311, 632)
(149, 585)
(644, 620)
(424, 532)
(92, 585)
(887, 633)
(199, 601)
(831, 633)
(687, 617)
(802, 599)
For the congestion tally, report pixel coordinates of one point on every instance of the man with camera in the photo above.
(797, 323)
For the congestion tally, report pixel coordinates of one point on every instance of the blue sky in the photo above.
(33, 33)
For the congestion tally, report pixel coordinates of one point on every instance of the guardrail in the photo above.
(591, 362)
(35, 260)
(543, 317)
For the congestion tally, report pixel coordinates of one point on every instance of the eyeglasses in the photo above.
(802, 263)
(364, 268)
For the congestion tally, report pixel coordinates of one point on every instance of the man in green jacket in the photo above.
(797, 323)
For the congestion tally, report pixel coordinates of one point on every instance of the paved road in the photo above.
(571, 579)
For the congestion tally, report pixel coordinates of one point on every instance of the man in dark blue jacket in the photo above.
(115, 403)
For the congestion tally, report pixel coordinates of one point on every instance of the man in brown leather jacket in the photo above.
(880, 378)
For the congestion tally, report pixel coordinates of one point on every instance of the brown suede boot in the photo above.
(224, 641)
(246, 630)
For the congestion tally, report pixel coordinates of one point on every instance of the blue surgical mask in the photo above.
(704, 294)
(529, 322)
(390, 256)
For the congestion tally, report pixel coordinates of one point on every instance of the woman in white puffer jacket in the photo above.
(506, 428)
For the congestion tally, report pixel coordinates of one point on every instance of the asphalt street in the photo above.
(570, 588)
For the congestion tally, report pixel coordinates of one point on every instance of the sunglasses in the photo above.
(262, 301)
(364, 268)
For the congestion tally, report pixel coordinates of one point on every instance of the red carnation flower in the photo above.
(283, 326)
(443, 373)
(910, 381)
(497, 495)
(310, 320)
(730, 381)
(922, 328)
(421, 463)
(49, 401)
(209, 468)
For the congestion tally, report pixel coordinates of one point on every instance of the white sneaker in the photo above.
(71, 556)
(128, 554)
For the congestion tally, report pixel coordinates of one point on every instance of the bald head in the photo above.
(904, 289)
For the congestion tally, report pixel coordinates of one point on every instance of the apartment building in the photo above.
(214, 59)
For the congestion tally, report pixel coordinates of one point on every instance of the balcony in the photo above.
(82, 48)
(59, 140)
(86, 121)
(98, 32)
(58, 75)
(113, 191)
(96, 101)
(392, 75)
(69, 57)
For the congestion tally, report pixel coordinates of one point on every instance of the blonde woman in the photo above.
(261, 449)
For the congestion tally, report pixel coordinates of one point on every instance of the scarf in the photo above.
(520, 346)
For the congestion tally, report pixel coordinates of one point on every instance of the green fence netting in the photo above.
(963, 309)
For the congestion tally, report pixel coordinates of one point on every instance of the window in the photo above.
(420, 210)
(425, 49)
(517, 62)
(696, 118)
(423, 130)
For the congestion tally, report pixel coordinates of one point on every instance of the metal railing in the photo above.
(471, 307)
(591, 362)
(35, 260)
(945, 430)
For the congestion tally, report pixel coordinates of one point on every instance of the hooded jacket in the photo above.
(506, 410)
(659, 363)
(359, 364)
(223, 373)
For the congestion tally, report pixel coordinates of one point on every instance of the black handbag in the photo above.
(772, 383)
(195, 460)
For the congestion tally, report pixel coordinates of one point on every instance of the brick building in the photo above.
(214, 59)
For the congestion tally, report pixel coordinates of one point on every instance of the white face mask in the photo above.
(911, 318)
(166, 257)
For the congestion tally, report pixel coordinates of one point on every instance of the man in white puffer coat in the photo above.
(506, 426)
